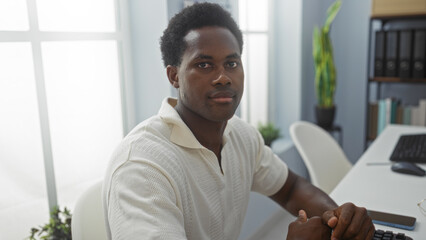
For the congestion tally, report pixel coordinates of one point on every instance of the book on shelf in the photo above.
(386, 113)
(404, 60)
(422, 112)
(399, 114)
(418, 114)
(391, 111)
(406, 119)
(391, 53)
(419, 52)
(379, 54)
(415, 116)
(391, 106)
(372, 120)
(381, 116)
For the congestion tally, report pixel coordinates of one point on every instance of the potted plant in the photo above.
(325, 72)
(58, 228)
(269, 133)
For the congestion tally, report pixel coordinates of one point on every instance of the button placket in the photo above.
(213, 162)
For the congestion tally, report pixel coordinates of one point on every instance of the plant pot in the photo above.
(325, 116)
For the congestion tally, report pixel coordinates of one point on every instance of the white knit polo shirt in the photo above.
(162, 183)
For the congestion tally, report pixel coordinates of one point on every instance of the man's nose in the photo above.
(222, 78)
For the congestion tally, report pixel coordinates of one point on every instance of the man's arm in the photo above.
(348, 221)
(142, 203)
(297, 193)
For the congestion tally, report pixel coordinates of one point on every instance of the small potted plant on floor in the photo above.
(325, 72)
(269, 133)
(58, 228)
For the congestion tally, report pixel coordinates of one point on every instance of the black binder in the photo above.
(391, 53)
(404, 62)
(379, 54)
(419, 54)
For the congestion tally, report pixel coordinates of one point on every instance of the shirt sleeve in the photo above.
(143, 204)
(270, 171)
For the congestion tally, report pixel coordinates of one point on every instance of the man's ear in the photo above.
(172, 74)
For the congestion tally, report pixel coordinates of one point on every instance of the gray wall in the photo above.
(148, 19)
(351, 38)
(286, 64)
(349, 34)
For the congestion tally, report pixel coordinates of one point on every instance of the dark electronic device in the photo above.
(382, 235)
(410, 148)
(392, 220)
(408, 168)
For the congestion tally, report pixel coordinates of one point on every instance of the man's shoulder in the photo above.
(243, 134)
(151, 126)
(239, 126)
(148, 141)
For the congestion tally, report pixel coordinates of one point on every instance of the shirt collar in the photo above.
(181, 134)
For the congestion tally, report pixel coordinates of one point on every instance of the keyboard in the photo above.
(410, 148)
(389, 235)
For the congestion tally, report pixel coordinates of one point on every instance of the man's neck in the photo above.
(208, 133)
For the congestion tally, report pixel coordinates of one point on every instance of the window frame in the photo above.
(35, 37)
(247, 109)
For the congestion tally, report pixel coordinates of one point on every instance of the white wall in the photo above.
(287, 64)
(350, 39)
(148, 19)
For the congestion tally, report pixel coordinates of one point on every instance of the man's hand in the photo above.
(349, 222)
(308, 229)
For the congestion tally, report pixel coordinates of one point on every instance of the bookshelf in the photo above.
(408, 90)
(396, 80)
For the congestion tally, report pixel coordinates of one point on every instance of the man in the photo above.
(187, 172)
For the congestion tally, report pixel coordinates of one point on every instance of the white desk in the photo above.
(376, 187)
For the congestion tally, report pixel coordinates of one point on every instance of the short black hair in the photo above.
(194, 17)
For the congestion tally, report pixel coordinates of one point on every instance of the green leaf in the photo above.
(269, 132)
(58, 227)
(316, 46)
(331, 14)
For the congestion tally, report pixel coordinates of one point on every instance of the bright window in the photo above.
(76, 15)
(83, 99)
(253, 19)
(63, 69)
(22, 176)
(13, 15)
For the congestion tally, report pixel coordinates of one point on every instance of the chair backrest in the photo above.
(88, 218)
(325, 160)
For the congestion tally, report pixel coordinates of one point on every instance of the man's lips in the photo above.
(222, 96)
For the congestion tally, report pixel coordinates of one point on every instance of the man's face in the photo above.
(210, 79)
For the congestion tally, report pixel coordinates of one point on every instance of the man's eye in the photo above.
(204, 65)
(232, 64)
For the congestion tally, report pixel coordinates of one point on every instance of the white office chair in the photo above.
(326, 162)
(88, 218)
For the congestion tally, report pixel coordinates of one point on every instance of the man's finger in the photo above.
(366, 231)
(329, 218)
(359, 224)
(371, 231)
(302, 216)
(344, 220)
